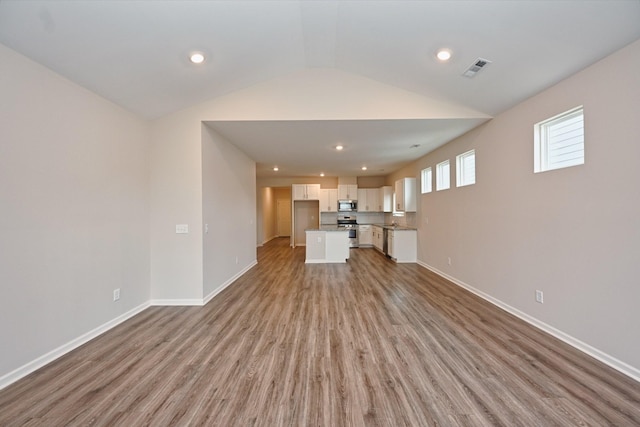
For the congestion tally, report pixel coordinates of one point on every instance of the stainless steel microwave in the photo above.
(347, 205)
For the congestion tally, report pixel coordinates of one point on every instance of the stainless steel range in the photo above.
(350, 223)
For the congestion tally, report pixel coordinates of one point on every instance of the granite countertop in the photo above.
(330, 227)
(393, 227)
(327, 227)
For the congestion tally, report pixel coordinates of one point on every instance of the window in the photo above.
(442, 176)
(559, 141)
(426, 180)
(466, 168)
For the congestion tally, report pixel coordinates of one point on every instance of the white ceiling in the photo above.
(134, 53)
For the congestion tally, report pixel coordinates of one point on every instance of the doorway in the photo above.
(283, 217)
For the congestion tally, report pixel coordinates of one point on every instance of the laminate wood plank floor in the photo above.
(367, 343)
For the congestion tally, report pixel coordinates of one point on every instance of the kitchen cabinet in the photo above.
(365, 235)
(305, 191)
(328, 200)
(369, 200)
(386, 198)
(406, 195)
(347, 192)
(377, 237)
(403, 245)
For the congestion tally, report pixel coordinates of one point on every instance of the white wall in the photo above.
(266, 215)
(229, 208)
(176, 198)
(572, 233)
(196, 172)
(74, 211)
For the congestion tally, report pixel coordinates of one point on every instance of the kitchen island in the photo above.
(327, 244)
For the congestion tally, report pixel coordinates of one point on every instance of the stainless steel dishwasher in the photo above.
(385, 241)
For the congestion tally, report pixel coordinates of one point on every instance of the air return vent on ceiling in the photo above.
(477, 65)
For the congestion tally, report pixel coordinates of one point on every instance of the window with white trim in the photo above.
(466, 168)
(426, 180)
(559, 141)
(443, 176)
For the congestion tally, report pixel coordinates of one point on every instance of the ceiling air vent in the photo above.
(477, 65)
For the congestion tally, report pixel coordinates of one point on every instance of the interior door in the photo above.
(283, 217)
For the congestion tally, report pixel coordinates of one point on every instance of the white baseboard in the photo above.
(605, 358)
(221, 288)
(176, 302)
(206, 299)
(38, 363)
(49, 357)
(264, 242)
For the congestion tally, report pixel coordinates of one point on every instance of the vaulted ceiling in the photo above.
(135, 53)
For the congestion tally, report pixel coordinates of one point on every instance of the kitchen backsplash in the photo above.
(410, 219)
(370, 218)
(330, 218)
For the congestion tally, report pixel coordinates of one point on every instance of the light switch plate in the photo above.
(182, 228)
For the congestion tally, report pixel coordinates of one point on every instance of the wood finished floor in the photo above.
(289, 344)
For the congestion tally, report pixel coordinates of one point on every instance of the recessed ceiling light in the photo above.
(339, 147)
(364, 168)
(443, 55)
(275, 169)
(322, 174)
(196, 58)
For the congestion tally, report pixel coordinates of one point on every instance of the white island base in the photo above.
(327, 246)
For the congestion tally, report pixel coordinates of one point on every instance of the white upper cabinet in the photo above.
(347, 192)
(328, 200)
(386, 198)
(305, 191)
(362, 200)
(373, 200)
(406, 195)
(369, 200)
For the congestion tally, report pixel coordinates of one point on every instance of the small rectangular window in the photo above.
(466, 168)
(426, 180)
(559, 141)
(442, 176)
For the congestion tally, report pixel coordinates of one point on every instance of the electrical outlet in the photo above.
(116, 294)
(539, 297)
(236, 260)
(449, 260)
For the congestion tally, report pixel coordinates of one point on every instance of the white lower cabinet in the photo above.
(365, 235)
(378, 237)
(403, 245)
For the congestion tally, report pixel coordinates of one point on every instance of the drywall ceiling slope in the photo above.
(296, 121)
